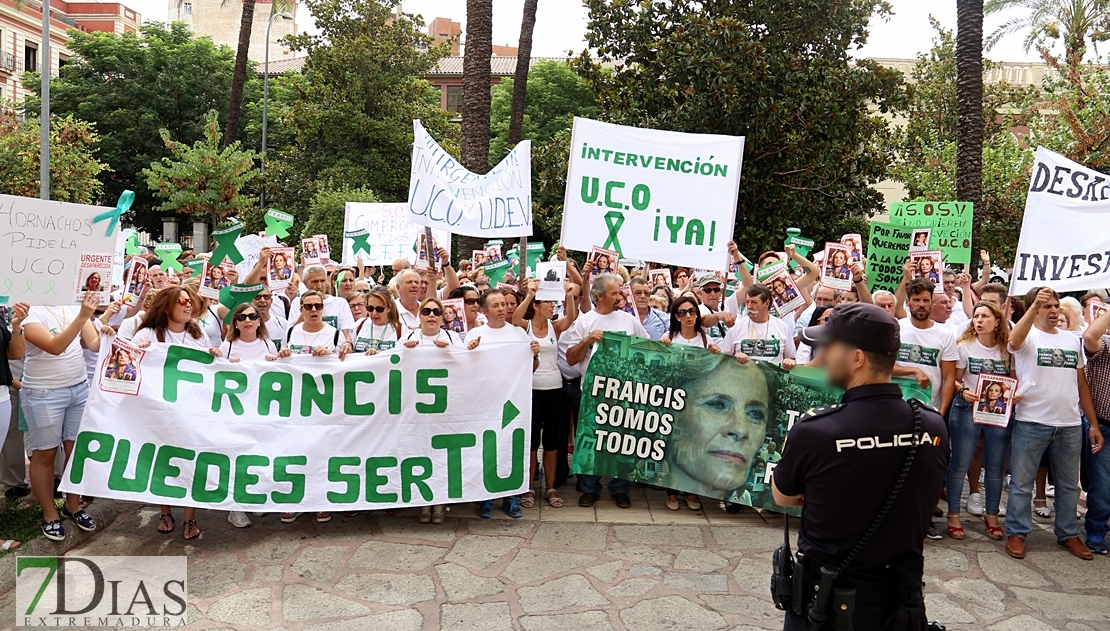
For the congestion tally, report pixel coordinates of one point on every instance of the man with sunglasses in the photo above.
(715, 320)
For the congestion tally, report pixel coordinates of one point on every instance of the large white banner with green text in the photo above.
(650, 194)
(413, 427)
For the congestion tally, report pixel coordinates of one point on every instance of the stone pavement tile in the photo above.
(941, 607)
(476, 617)
(319, 563)
(668, 536)
(587, 621)
(407, 527)
(406, 620)
(570, 591)
(673, 613)
(112, 544)
(214, 575)
(268, 573)
(632, 587)
(684, 516)
(304, 602)
(749, 536)
(570, 511)
(1068, 571)
(699, 561)
(609, 513)
(939, 558)
(563, 536)
(389, 589)
(700, 583)
(520, 527)
(1077, 626)
(640, 554)
(531, 565)
(1000, 568)
(479, 551)
(250, 606)
(459, 584)
(978, 593)
(341, 529)
(1021, 623)
(397, 557)
(644, 570)
(1063, 606)
(606, 572)
(748, 607)
(276, 547)
(752, 575)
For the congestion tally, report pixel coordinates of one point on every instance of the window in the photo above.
(187, 8)
(30, 57)
(454, 98)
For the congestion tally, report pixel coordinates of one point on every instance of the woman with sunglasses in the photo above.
(471, 305)
(686, 330)
(169, 320)
(380, 329)
(431, 330)
(312, 336)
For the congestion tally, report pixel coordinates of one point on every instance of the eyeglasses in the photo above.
(711, 290)
(428, 311)
(471, 301)
(365, 291)
(246, 316)
(316, 306)
(184, 302)
(685, 312)
(264, 297)
(357, 304)
(376, 309)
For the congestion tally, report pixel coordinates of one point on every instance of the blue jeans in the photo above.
(592, 484)
(964, 435)
(1028, 443)
(1098, 483)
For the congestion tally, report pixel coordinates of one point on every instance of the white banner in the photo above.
(391, 233)
(444, 194)
(42, 246)
(1065, 235)
(655, 195)
(411, 427)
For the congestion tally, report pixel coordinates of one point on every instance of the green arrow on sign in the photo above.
(508, 413)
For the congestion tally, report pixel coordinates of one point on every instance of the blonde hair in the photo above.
(1001, 334)
(1074, 310)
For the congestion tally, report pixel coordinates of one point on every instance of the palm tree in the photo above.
(1076, 21)
(239, 76)
(969, 102)
(520, 80)
(474, 143)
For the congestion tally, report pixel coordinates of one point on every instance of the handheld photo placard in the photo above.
(136, 277)
(310, 252)
(94, 273)
(214, 278)
(853, 240)
(661, 276)
(994, 396)
(551, 276)
(836, 270)
(919, 242)
(122, 369)
(929, 264)
(454, 316)
(604, 261)
(279, 269)
(322, 244)
(785, 296)
(629, 305)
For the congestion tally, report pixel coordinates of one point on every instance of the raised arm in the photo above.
(570, 309)
(985, 273)
(1021, 330)
(17, 346)
(859, 283)
(449, 273)
(900, 292)
(1092, 337)
(256, 273)
(521, 309)
(812, 271)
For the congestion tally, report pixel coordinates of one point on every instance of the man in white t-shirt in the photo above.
(928, 352)
(337, 313)
(1047, 419)
(409, 295)
(759, 336)
(581, 338)
(715, 320)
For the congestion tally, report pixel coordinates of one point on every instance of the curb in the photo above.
(103, 511)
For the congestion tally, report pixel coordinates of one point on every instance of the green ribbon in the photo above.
(169, 252)
(225, 245)
(614, 219)
(131, 246)
(113, 215)
(359, 241)
(278, 223)
(197, 265)
(234, 295)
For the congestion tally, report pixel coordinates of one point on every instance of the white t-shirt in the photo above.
(958, 320)
(130, 325)
(43, 371)
(615, 321)
(506, 333)
(248, 351)
(718, 331)
(547, 375)
(181, 339)
(301, 342)
(337, 313)
(976, 359)
(276, 327)
(212, 326)
(1050, 361)
(770, 341)
(925, 349)
(697, 340)
(450, 337)
(410, 320)
(368, 335)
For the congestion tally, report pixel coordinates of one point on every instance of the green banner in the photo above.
(657, 414)
(887, 249)
(951, 223)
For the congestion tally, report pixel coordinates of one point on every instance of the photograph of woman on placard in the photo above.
(995, 394)
(853, 243)
(919, 242)
(929, 265)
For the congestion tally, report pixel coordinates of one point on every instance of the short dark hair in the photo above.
(881, 363)
(1031, 296)
(460, 292)
(638, 281)
(489, 292)
(996, 288)
(920, 285)
(759, 290)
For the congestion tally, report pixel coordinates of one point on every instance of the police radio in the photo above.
(782, 573)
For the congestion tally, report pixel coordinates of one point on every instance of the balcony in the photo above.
(7, 62)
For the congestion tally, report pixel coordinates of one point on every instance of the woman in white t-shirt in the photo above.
(548, 399)
(247, 336)
(169, 320)
(380, 329)
(207, 314)
(982, 348)
(686, 330)
(313, 336)
(432, 332)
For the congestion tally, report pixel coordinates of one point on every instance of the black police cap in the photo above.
(863, 326)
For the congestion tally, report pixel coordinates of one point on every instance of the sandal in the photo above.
(185, 528)
(1042, 511)
(9, 544)
(528, 500)
(956, 532)
(553, 498)
(994, 532)
(165, 519)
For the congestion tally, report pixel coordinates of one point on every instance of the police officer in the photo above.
(841, 463)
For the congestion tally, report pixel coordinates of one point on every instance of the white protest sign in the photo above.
(661, 196)
(444, 194)
(390, 233)
(41, 248)
(250, 246)
(1065, 234)
(400, 428)
(551, 276)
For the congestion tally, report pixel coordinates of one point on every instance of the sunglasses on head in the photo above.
(685, 312)
(379, 309)
(430, 311)
(471, 301)
(315, 306)
(246, 316)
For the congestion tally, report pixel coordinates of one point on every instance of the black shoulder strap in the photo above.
(289, 333)
(335, 341)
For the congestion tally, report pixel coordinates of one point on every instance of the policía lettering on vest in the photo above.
(876, 442)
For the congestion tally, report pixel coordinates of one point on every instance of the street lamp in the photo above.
(284, 15)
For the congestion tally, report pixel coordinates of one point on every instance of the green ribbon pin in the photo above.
(169, 252)
(359, 241)
(234, 295)
(225, 245)
(122, 206)
(614, 219)
(278, 223)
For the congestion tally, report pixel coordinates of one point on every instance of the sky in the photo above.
(560, 25)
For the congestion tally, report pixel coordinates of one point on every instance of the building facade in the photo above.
(221, 22)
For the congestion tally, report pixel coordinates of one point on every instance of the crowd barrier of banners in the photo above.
(412, 427)
(1065, 234)
(655, 414)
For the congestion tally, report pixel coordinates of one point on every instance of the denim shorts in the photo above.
(53, 416)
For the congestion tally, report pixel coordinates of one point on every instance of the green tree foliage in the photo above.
(73, 165)
(350, 117)
(133, 85)
(775, 71)
(555, 96)
(327, 210)
(1076, 121)
(204, 180)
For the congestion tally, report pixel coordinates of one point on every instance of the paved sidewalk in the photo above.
(571, 569)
